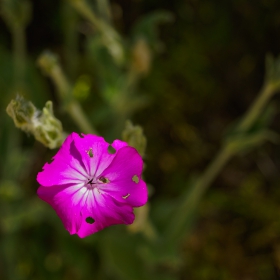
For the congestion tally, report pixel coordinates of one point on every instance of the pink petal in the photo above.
(72, 162)
(100, 157)
(106, 212)
(117, 144)
(83, 210)
(66, 167)
(74, 205)
(61, 199)
(125, 166)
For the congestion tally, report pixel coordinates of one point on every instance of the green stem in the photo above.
(77, 114)
(111, 38)
(18, 35)
(211, 172)
(72, 106)
(60, 81)
(83, 8)
(104, 9)
(192, 197)
(121, 101)
(49, 64)
(70, 24)
(257, 107)
(16, 15)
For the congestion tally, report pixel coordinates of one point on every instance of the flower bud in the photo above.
(133, 135)
(45, 127)
(47, 61)
(141, 57)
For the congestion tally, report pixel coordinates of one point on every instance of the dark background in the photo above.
(208, 65)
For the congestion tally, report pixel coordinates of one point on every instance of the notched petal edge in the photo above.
(111, 150)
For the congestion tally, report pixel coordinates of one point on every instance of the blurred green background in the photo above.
(185, 71)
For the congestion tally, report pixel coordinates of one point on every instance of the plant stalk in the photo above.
(19, 46)
(104, 9)
(110, 37)
(192, 196)
(257, 107)
(49, 64)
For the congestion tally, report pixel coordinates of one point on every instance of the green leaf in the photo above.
(147, 26)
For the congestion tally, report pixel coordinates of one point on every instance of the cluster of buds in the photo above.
(45, 127)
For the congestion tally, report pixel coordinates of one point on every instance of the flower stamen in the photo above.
(90, 182)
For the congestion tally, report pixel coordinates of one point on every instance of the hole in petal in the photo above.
(111, 150)
(126, 196)
(135, 179)
(89, 152)
(90, 220)
(104, 180)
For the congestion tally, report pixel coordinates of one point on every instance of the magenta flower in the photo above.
(91, 188)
